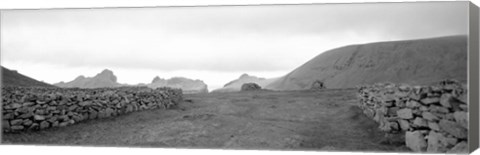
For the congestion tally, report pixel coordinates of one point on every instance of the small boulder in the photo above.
(445, 100)
(461, 118)
(38, 117)
(405, 113)
(44, 124)
(420, 122)
(404, 125)
(412, 104)
(16, 122)
(415, 141)
(434, 126)
(429, 116)
(317, 85)
(17, 127)
(5, 124)
(430, 100)
(250, 87)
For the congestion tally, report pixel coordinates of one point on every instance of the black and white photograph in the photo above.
(353, 77)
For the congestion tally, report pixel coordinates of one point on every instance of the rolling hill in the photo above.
(13, 78)
(422, 61)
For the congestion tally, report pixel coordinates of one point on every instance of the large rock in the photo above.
(250, 87)
(461, 147)
(461, 118)
(317, 85)
(454, 129)
(415, 141)
(436, 142)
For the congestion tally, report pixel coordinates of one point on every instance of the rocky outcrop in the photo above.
(105, 79)
(41, 108)
(317, 85)
(415, 62)
(235, 85)
(14, 79)
(433, 118)
(250, 87)
(188, 86)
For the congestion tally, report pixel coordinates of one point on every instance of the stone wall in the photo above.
(40, 108)
(432, 118)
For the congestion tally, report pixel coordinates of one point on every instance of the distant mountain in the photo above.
(13, 78)
(104, 79)
(423, 61)
(236, 85)
(188, 86)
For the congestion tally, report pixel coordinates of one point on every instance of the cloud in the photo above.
(220, 39)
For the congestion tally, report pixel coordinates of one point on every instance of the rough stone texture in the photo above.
(28, 108)
(437, 113)
(436, 142)
(404, 125)
(250, 87)
(415, 141)
(405, 113)
(429, 116)
(434, 126)
(461, 118)
(430, 100)
(445, 100)
(453, 128)
(317, 85)
(461, 147)
(420, 122)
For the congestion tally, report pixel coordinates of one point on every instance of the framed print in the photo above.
(356, 77)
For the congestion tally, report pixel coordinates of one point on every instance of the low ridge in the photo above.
(13, 78)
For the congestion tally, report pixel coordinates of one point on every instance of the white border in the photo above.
(52, 150)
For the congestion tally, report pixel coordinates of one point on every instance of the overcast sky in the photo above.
(213, 44)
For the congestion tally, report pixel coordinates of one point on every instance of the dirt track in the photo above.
(323, 120)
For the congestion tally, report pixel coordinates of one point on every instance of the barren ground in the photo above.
(294, 120)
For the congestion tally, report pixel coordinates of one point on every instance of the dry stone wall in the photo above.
(41, 108)
(433, 118)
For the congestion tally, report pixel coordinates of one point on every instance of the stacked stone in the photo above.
(41, 108)
(433, 118)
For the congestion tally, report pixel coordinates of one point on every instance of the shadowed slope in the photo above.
(13, 78)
